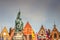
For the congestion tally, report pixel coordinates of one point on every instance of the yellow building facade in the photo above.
(4, 34)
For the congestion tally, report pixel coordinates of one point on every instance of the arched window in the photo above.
(55, 35)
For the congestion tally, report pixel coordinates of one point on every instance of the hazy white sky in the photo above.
(37, 12)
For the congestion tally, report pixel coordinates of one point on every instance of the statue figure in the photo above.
(18, 23)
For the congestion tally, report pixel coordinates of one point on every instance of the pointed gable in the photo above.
(27, 29)
(5, 32)
(54, 29)
(27, 25)
(42, 30)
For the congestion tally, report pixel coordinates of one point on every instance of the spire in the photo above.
(54, 25)
(42, 27)
(18, 16)
(18, 23)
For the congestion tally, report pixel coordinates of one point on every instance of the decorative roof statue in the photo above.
(18, 23)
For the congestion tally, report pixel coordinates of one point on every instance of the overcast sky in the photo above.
(36, 12)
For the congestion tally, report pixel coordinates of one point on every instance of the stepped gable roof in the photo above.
(27, 29)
